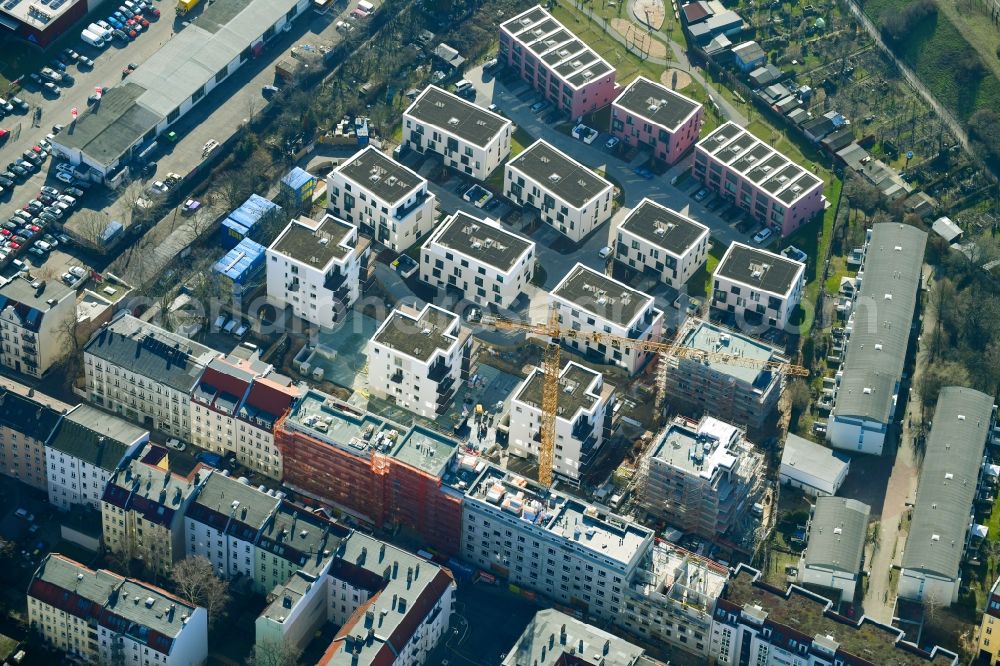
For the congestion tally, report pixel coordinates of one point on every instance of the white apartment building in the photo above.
(592, 302)
(235, 407)
(145, 373)
(383, 198)
(409, 604)
(469, 138)
(314, 269)
(101, 617)
(758, 287)
(554, 544)
(36, 319)
(583, 421)
(479, 259)
(661, 242)
(553, 638)
(86, 448)
(417, 360)
(568, 196)
(223, 523)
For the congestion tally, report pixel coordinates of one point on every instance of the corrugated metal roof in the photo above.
(837, 534)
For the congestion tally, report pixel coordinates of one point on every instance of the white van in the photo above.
(366, 6)
(103, 33)
(462, 85)
(90, 38)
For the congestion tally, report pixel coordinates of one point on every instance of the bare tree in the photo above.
(91, 227)
(197, 583)
(273, 653)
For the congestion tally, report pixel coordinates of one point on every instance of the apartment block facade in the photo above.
(661, 242)
(86, 448)
(592, 302)
(649, 116)
(583, 422)
(758, 287)
(145, 373)
(316, 269)
(383, 198)
(26, 424)
(478, 259)
(567, 196)
(101, 617)
(557, 64)
(470, 139)
(748, 173)
(234, 409)
(417, 360)
(36, 318)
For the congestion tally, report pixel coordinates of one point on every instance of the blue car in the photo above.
(115, 23)
(121, 17)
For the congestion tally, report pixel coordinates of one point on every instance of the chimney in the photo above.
(562, 635)
(581, 646)
(416, 571)
(402, 604)
(607, 646)
(409, 577)
(381, 552)
(395, 569)
(394, 597)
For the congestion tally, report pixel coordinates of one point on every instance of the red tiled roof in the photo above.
(224, 382)
(271, 397)
(695, 11)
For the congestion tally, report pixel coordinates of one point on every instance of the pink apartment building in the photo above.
(651, 116)
(556, 63)
(747, 172)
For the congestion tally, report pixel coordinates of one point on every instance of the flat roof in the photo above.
(700, 449)
(533, 645)
(555, 171)
(420, 334)
(575, 395)
(948, 482)
(602, 296)
(315, 243)
(605, 535)
(813, 459)
(38, 16)
(171, 75)
(663, 227)
(657, 103)
(882, 314)
(324, 418)
(760, 269)
(837, 534)
(574, 61)
(708, 337)
(24, 291)
(754, 159)
(483, 240)
(797, 614)
(426, 450)
(375, 172)
(453, 114)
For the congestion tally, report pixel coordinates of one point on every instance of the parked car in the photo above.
(762, 235)
(67, 199)
(612, 143)
(73, 192)
(539, 106)
(19, 103)
(51, 88)
(701, 194)
(84, 61)
(64, 177)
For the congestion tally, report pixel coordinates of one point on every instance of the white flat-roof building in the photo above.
(314, 269)
(477, 257)
(383, 198)
(583, 421)
(758, 287)
(568, 196)
(658, 241)
(469, 138)
(417, 360)
(837, 533)
(569, 637)
(557, 546)
(591, 301)
(84, 451)
(878, 336)
(814, 469)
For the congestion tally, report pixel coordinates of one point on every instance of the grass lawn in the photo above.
(816, 245)
(520, 140)
(700, 284)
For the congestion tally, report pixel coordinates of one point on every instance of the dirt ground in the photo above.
(637, 35)
(683, 78)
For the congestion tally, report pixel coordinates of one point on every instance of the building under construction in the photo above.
(372, 468)
(737, 393)
(703, 477)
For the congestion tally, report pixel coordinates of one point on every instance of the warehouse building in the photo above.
(837, 533)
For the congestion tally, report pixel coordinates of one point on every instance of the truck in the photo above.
(92, 39)
(101, 32)
(184, 6)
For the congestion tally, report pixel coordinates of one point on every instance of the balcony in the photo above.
(446, 385)
(28, 337)
(446, 397)
(582, 429)
(397, 378)
(438, 370)
(334, 280)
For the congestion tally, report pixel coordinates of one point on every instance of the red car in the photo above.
(35, 228)
(154, 12)
(132, 34)
(144, 21)
(4, 133)
(6, 232)
(14, 245)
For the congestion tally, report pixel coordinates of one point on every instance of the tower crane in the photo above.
(554, 333)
